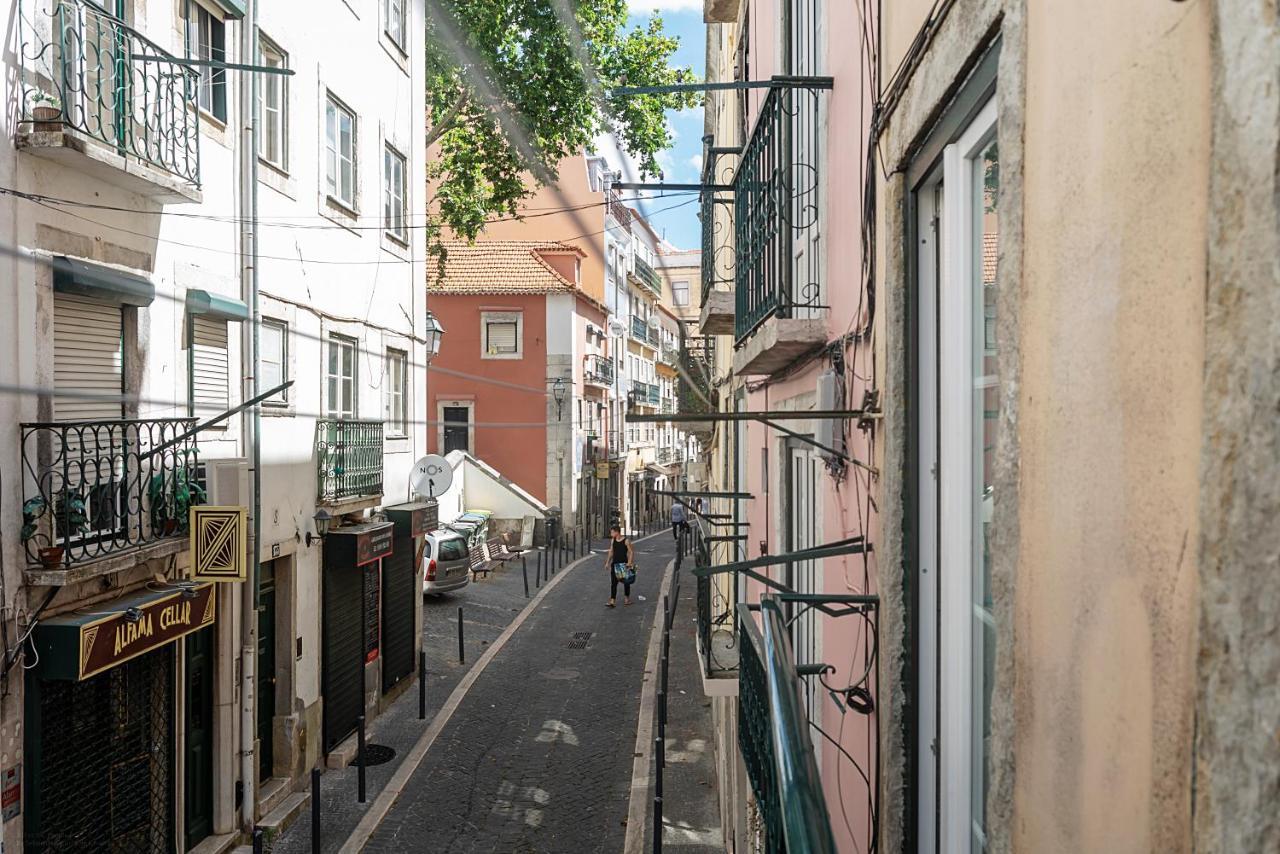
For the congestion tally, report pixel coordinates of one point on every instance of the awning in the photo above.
(72, 276)
(94, 639)
(216, 305)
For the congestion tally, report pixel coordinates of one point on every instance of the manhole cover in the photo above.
(378, 754)
(579, 640)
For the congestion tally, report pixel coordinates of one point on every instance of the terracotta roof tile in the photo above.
(499, 267)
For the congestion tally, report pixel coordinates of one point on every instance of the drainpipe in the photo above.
(249, 419)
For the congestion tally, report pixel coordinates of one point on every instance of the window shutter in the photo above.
(502, 337)
(210, 367)
(87, 357)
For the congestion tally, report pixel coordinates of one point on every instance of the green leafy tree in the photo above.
(515, 86)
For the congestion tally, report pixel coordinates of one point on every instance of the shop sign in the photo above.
(416, 518)
(218, 543)
(93, 640)
(602, 471)
(374, 544)
(11, 792)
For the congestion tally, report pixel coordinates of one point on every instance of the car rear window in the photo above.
(453, 549)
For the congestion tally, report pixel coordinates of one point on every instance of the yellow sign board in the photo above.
(602, 471)
(218, 542)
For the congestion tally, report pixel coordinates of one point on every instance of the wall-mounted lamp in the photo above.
(434, 333)
(322, 519)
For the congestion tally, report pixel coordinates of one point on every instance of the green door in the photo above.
(198, 803)
(266, 669)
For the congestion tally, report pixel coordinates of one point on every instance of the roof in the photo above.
(500, 267)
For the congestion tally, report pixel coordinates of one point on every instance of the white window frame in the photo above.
(282, 398)
(396, 28)
(677, 291)
(336, 340)
(487, 317)
(211, 79)
(395, 194)
(947, 567)
(279, 159)
(334, 110)
(470, 406)
(397, 424)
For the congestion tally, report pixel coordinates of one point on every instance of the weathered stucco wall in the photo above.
(1112, 342)
(1238, 710)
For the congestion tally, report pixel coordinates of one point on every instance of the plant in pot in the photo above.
(69, 517)
(46, 111)
(172, 495)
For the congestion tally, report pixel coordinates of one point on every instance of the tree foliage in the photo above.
(508, 97)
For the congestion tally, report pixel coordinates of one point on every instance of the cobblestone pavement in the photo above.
(489, 606)
(690, 811)
(538, 756)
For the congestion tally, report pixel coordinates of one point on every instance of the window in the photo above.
(680, 292)
(273, 108)
(210, 363)
(207, 40)
(340, 152)
(957, 230)
(393, 195)
(394, 14)
(501, 332)
(397, 412)
(341, 377)
(273, 354)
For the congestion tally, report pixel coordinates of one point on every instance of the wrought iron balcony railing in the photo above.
(598, 370)
(668, 406)
(773, 735)
(643, 332)
(86, 71)
(648, 276)
(776, 196)
(716, 214)
(92, 489)
(348, 459)
(670, 355)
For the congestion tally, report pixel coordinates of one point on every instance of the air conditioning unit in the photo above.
(227, 482)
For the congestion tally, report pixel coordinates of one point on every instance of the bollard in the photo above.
(422, 685)
(461, 655)
(360, 788)
(524, 571)
(573, 549)
(315, 811)
(657, 824)
(257, 840)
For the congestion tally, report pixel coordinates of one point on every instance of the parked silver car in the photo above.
(447, 564)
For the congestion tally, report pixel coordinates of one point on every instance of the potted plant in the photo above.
(46, 111)
(172, 495)
(70, 515)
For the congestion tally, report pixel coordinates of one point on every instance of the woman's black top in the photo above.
(620, 551)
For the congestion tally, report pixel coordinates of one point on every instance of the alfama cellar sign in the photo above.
(96, 638)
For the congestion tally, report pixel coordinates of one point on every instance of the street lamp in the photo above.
(433, 334)
(557, 393)
(322, 519)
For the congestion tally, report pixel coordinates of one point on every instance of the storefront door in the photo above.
(266, 668)
(198, 728)
(399, 596)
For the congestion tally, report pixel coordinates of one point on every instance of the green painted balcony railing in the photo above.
(773, 736)
(598, 370)
(86, 71)
(775, 212)
(348, 459)
(648, 276)
(92, 489)
(643, 332)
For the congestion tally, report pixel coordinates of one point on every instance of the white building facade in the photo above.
(129, 196)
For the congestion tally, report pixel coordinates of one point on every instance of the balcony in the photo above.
(773, 736)
(715, 316)
(668, 406)
(598, 371)
(779, 313)
(99, 97)
(97, 490)
(670, 356)
(647, 276)
(643, 333)
(695, 390)
(348, 463)
(717, 624)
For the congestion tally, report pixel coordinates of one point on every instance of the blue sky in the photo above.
(681, 163)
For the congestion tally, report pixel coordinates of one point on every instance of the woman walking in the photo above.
(620, 561)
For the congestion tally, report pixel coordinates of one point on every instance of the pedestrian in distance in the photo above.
(621, 563)
(679, 520)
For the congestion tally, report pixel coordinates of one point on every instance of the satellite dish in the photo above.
(431, 476)
(616, 328)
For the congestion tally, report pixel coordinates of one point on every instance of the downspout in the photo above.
(249, 419)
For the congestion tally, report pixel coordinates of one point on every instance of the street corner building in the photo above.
(209, 559)
(989, 292)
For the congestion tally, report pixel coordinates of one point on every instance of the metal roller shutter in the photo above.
(88, 358)
(398, 600)
(210, 366)
(343, 650)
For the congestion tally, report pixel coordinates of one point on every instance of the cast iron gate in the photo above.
(343, 653)
(102, 777)
(398, 600)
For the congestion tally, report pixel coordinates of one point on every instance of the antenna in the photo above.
(431, 476)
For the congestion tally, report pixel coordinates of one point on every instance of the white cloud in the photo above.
(687, 114)
(696, 162)
(644, 7)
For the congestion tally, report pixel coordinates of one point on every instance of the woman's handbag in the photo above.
(624, 573)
